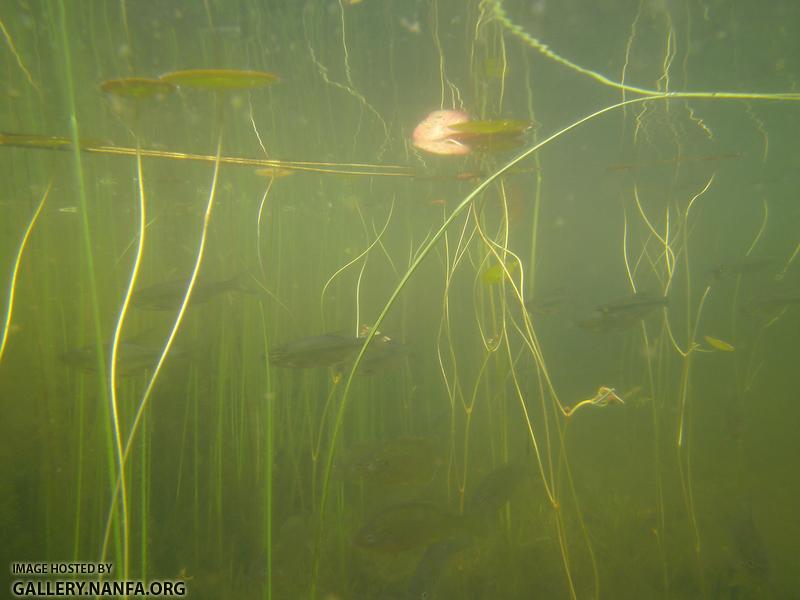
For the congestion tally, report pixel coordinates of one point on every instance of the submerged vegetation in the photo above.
(561, 239)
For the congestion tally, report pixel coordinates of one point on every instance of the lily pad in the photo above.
(494, 127)
(22, 140)
(275, 172)
(137, 87)
(219, 79)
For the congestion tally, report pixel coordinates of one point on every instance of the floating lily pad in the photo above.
(219, 79)
(275, 172)
(493, 127)
(44, 141)
(490, 136)
(137, 87)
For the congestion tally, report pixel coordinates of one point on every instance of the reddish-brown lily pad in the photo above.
(219, 79)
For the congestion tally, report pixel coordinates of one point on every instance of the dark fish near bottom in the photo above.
(749, 545)
(397, 463)
(432, 566)
(407, 527)
(495, 489)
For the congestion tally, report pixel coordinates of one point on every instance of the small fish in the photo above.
(131, 357)
(770, 305)
(718, 344)
(383, 353)
(748, 265)
(621, 167)
(409, 526)
(168, 295)
(622, 313)
(402, 462)
(326, 350)
(749, 545)
(495, 489)
(547, 304)
(433, 564)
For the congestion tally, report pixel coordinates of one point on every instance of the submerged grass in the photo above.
(257, 451)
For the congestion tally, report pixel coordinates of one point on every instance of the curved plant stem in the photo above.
(12, 285)
(170, 340)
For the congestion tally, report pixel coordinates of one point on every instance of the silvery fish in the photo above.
(334, 350)
(622, 313)
(550, 303)
(382, 353)
(327, 350)
(168, 295)
(746, 266)
(770, 305)
(131, 357)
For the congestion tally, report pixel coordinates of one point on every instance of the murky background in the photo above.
(585, 387)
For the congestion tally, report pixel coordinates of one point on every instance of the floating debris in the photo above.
(495, 274)
(718, 344)
(604, 396)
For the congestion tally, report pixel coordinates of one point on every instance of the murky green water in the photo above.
(582, 381)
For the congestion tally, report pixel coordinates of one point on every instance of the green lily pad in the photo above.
(22, 140)
(219, 79)
(493, 127)
(137, 87)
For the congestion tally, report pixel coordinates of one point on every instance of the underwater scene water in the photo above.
(359, 299)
